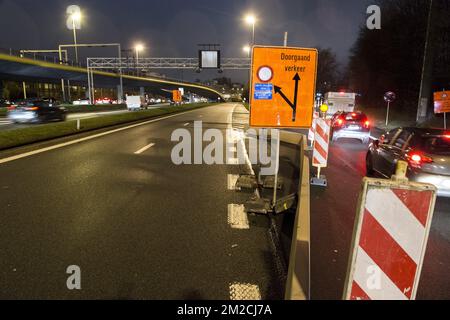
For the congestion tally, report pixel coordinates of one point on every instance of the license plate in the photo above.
(354, 127)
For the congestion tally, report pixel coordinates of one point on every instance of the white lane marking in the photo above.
(144, 148)
(244, 291)
(387, 289)
(232, 180)
(186, 124)
(61, 145)
(397, 220)
(237, 217)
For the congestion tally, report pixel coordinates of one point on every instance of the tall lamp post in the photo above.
(138, 48)
(247, 50)
(76, 19)
(251, 20)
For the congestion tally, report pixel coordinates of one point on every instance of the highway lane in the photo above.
(138, 226)
(333, 211)
(6, 124)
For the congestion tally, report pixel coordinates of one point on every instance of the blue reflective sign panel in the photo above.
(263, 91)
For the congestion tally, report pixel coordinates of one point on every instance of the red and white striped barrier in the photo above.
(390, 238)
(321, 143)
(312, 130)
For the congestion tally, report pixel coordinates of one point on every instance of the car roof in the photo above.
(426, 131)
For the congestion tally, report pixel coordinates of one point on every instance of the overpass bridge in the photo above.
(16, 66)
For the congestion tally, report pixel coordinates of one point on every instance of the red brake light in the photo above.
(340, 122)
(32, 108)
(367, 124)
(416, 159)
(447, 136)
(353, 115)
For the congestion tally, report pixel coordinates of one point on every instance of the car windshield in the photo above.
(437, 145)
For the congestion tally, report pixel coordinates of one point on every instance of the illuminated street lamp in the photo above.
(247, 50)
(76, 19)
(251, 20)
(138, 48)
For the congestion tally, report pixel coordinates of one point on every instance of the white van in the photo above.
(134, 103)
(340, 101)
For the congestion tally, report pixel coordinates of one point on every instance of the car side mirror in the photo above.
(376, 143)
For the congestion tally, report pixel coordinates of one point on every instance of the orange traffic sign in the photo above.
(176, 96)
(442, 102)
(283, 85)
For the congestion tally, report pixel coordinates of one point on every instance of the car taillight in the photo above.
(12, 107)
(340, 122)
(367, 124)
(32, 108)
(416, 159)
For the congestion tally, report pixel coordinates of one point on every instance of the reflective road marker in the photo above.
(244, 291)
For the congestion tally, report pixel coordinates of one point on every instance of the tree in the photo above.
(327, 71)
(390, 59)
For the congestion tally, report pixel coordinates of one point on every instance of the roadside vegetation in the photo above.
(37, 133)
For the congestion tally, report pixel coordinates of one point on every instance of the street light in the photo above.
(247, 49)
(138, 47)
(76, 18)
(251, 20)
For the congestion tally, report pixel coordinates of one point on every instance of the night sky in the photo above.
(173, 28)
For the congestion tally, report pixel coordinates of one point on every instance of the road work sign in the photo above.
(176, 96)
(389, 240)
(283, 83)
(442, 102)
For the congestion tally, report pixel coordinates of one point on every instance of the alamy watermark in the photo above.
(374, 19)
(191, 150)
(74, 280)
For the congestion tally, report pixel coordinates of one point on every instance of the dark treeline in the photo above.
(391, 59)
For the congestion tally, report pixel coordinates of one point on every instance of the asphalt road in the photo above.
(332, 216)
(138, 226)
(6, 124)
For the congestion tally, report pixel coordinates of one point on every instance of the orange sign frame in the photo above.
(442, 102)
(282, 87)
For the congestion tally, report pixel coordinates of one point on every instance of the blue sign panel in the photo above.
(263, 91)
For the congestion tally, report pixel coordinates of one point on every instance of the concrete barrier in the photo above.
(299, 266)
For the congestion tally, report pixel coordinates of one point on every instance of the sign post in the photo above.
(442, 104)
(389, 97)
(282, 90)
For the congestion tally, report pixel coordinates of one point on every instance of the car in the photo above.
(36, 111)
(354, 125)
(427, 152)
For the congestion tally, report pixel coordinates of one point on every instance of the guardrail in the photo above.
(40, 57)
(299, 265)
